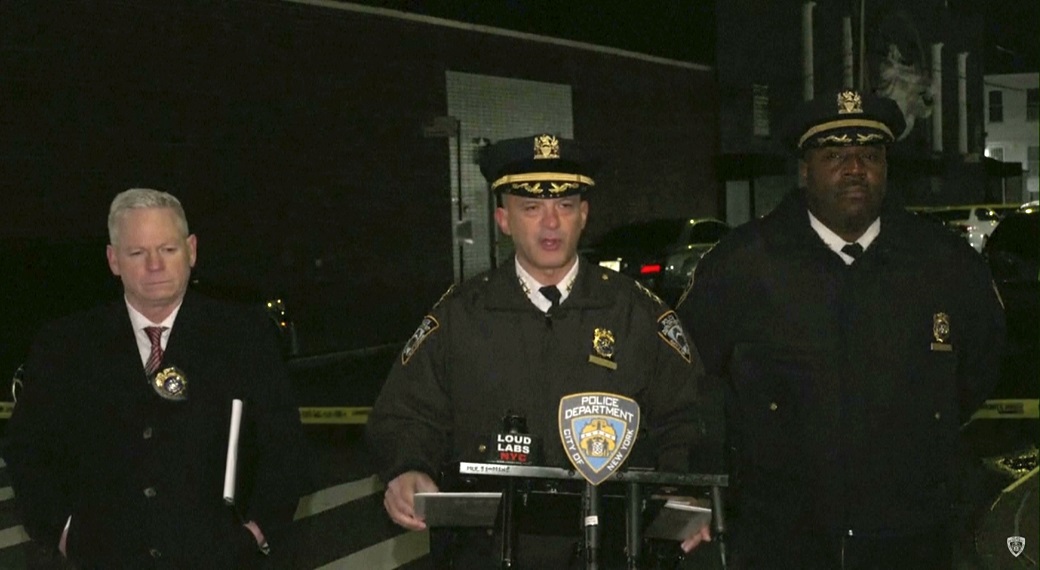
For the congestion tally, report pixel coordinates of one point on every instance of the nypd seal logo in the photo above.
(671, 332)
(1016, 544)
(598, 431)
(426, 327)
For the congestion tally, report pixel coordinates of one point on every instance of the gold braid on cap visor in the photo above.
(844, 123)
(542, 177)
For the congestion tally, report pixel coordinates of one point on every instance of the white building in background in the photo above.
(1013, 124)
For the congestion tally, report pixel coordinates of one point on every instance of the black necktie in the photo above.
(853, 250)
(552, 293)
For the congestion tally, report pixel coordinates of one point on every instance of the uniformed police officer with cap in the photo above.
(543, 325)
(853, 340)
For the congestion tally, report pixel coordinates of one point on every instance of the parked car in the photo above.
(661, 254)
(1013, 255)
(974, 222)
(927, 215)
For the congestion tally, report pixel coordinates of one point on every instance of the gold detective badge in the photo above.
(171, 384)
(603, 345)
(941, 333)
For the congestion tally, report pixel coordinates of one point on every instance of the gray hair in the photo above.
(143, 198)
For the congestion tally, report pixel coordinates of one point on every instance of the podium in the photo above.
(638, 493)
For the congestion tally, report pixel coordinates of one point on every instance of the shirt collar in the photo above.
(836, 242)
(531, 285)
(139, 321)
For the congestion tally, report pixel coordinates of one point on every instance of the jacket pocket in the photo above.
(769, 389)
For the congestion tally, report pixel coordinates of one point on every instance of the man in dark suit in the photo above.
(117, 447)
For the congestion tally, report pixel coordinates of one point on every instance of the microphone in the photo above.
(513, 445)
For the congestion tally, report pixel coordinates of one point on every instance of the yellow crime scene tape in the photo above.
(335, 416)
(991, 410)
(309, 415)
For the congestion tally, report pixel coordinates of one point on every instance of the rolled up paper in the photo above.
(232, 452)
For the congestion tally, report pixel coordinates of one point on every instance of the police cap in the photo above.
(846, 118)
(539, 166)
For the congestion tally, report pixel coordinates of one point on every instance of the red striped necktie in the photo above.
(154, 357)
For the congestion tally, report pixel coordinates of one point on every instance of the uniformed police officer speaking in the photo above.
(520, 337)
(854, 339)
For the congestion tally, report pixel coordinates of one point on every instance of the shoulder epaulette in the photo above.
(653, 296)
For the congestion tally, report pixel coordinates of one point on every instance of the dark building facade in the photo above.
(298, 136)
(771, 56)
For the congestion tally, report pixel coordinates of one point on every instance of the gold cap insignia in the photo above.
(849, 102)
(171, 384)
(546, 146)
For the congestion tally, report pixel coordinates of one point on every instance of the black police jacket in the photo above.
(846, 385)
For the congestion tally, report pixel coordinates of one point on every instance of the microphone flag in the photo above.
(598, 431)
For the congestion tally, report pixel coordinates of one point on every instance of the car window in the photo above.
(951, 215)
(1005, 210)
(653, 234)
(986, 215)
(707, 231)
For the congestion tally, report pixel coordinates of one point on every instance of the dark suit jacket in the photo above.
(142, 477)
